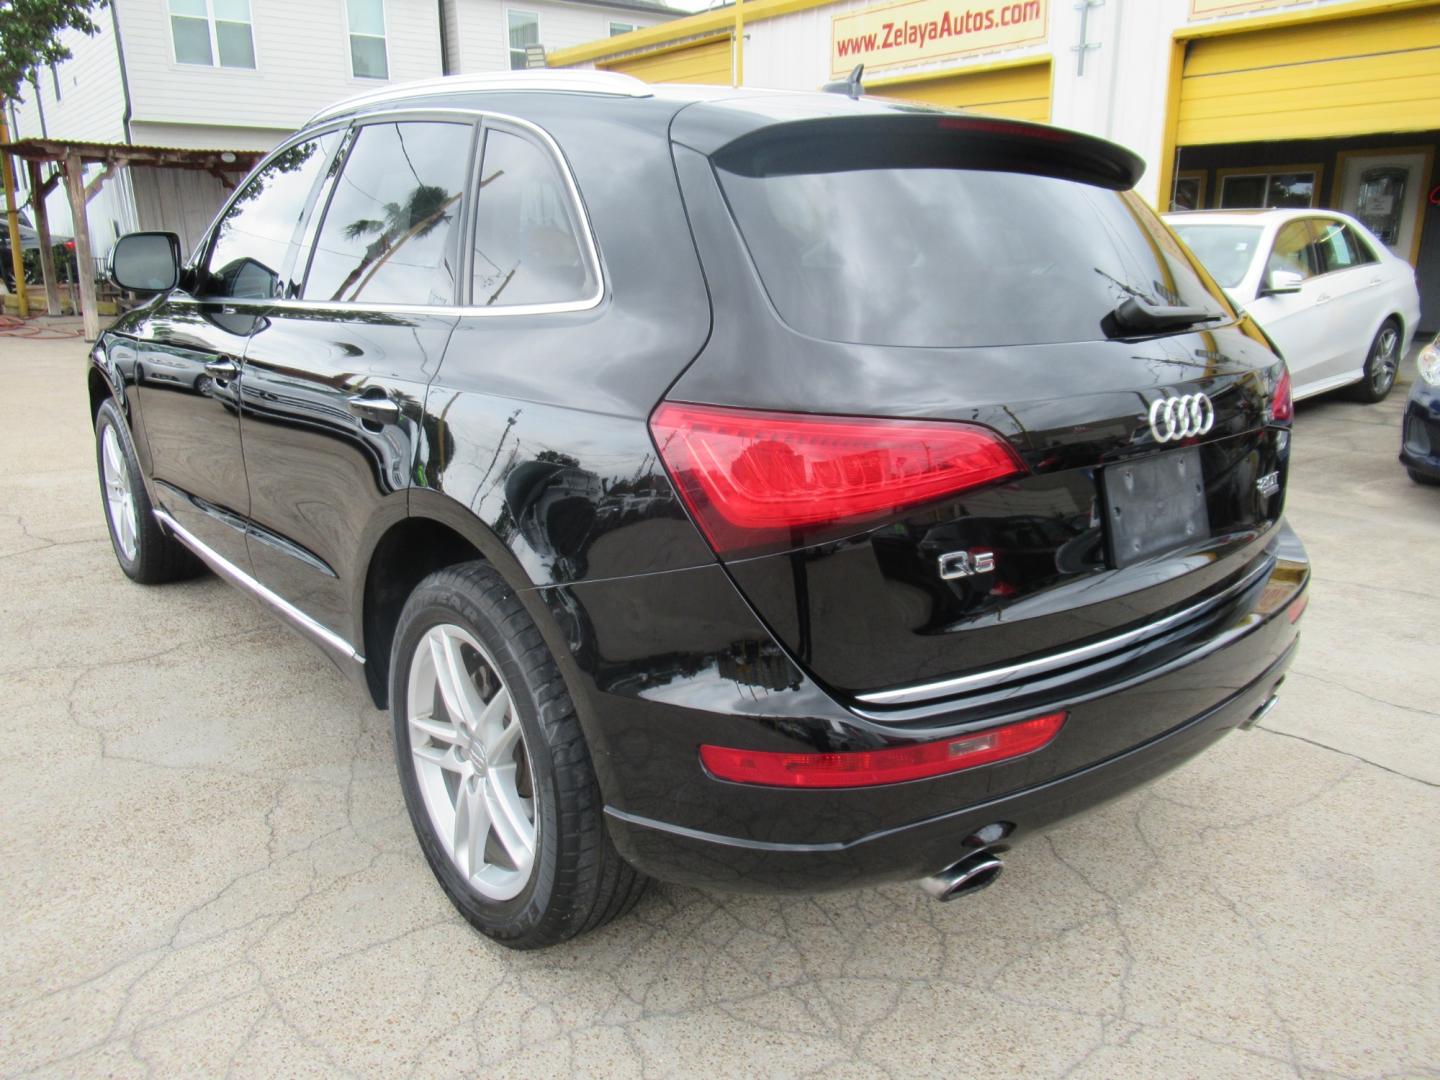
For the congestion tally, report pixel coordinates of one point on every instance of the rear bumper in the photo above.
(710, 860)
(661, 664)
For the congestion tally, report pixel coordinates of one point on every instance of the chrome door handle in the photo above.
(221, 368)
(378, 410)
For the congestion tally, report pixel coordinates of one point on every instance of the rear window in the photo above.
(1225, 250)
(950, 256)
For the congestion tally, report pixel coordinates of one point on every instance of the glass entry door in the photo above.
(1383, 188)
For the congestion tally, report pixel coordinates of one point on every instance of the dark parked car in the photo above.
(1420, 435)
(763, 491)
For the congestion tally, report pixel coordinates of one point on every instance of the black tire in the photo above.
(1382, 364)
(1423, 478)
(578, 880)
(157, 557)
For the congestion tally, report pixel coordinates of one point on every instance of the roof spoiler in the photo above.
(920, 138)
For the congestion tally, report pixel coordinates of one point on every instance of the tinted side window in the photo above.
(527, 235)
(1294, 251)
(1360, 247)
(391, 231)
(256, 238)
(1337, 246)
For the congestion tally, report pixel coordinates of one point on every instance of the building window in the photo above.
(1189, 193)
(1294, 187)
(618, 28)
(204, 30)
(524, 30)
(367, 39)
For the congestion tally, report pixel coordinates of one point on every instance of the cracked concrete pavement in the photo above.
(205, 864)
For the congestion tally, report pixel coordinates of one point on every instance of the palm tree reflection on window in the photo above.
(422, 211)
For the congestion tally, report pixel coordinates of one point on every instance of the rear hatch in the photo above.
(1060, 453)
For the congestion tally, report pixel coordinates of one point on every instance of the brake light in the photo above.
(752, 479)
(1281, 406)
(866, 768)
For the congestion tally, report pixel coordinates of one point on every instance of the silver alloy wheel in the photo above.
(1387, 360)
(471, 762)
(119, 499)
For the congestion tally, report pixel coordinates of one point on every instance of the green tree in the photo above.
(30, 36)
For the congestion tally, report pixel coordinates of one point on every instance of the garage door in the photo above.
(1019, 92)
(702, 62)
(1339, 77)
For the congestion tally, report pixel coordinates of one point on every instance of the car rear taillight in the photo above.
(866, 768)
(755, 479)
(1281, 407)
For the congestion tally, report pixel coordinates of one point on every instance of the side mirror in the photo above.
(146, 262)
(1281, 281)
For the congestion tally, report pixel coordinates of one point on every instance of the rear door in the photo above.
(1353, 281)
(336, 376)
(1299, 322)
(190, 368)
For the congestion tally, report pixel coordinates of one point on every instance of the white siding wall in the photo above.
(302, 62)
(1121, 96)
(91, 102)
(484, 30)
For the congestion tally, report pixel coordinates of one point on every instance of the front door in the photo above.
(336, 378)
(187, 381)
(1299, 322)
(191, 358)
(1383, 189)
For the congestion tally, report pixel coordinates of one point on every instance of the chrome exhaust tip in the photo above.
(966, 877)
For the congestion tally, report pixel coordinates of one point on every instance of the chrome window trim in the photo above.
(232, 573)
(611, 83)
(452, 115)
(906, 695)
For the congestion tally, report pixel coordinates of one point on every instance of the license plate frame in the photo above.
(1154, 505)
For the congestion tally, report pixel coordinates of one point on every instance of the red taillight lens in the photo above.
(865, 768)
(1281, 407)
(754, 479)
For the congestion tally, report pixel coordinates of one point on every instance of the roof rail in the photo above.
(564, 80)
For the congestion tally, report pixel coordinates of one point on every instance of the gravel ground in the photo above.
(205, 864)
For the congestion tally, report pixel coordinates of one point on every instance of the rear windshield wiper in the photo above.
(1136, 314)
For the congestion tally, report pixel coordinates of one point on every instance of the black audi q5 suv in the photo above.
(758, 490)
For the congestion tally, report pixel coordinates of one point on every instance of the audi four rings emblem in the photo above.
(1174, 418)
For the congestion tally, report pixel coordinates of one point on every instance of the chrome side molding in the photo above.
(233, 574)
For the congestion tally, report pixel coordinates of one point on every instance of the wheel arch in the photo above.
(436, 533)
(101, 389)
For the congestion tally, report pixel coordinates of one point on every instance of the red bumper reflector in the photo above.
(1297, 607)
(865, 768)
(1282, 406)
(753, 478)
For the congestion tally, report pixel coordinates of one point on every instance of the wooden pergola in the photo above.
(68, 160)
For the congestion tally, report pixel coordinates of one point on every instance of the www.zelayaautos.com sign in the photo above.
(913, 31)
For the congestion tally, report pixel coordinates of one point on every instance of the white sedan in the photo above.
(1338, 305)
